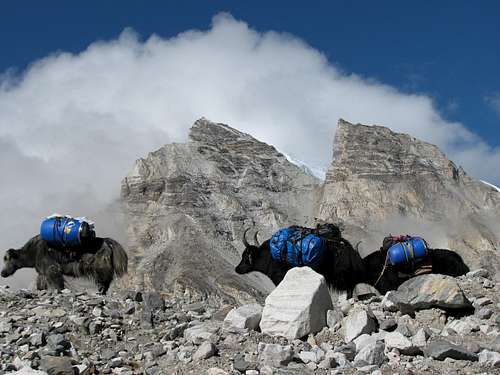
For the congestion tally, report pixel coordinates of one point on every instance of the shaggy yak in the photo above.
(100, 260)
(341, 265)
(389, 277)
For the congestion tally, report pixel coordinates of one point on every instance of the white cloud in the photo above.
(494, 102)
(72, 125)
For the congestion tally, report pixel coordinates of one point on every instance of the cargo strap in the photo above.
(383, 269)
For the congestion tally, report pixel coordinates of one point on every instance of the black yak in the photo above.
(101, 259)
(389, 277)
(341, 265)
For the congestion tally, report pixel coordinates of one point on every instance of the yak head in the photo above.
(10, 263)
(250, 256)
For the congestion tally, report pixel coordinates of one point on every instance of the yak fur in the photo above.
(441, 261)
(100, 260)
(341, 266)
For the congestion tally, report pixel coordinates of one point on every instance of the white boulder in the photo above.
(243, 317)
(297, 306)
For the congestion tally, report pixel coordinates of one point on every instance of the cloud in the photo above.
(494, 102)
(72, 125)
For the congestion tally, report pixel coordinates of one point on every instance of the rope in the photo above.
(383, 269)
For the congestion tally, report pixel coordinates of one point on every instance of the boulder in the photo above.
(297, 306)
(420, 338)
(205, 350)
(398, 341)
(243, 317)
(57, 365)
(390, 300)
(480, 272)
(364, 291)
(274, 355)
(199, 333)
(442, 349)
(359, 320)
(432, 290)
(489, 358)
(334, 318)
(371, 354)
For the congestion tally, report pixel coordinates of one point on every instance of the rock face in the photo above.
(427, 291)
(384, 182)
(297, 306)
(188, 205)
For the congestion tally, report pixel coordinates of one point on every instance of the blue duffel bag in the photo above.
(297, 247)
(410, 250)
(66, 231)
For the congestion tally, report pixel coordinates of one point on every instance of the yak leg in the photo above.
(103, 286)
(55, 277)
(41, 282)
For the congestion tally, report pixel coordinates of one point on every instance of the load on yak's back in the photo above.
(68, 246)
(66, 231)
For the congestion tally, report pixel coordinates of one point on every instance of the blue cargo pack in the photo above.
(408, 250)
(297, 247)
(66, 231)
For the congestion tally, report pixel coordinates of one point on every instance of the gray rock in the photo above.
(328, 362)
(420, 338)
(57, 365)
(371, 354)
(153, 301)
(203, 332)
(205, 351)
(334, 319)
(244, 317)
(481, 272)
(349, 350)
(315, 355)
(390, 301)
(358, 321)
(275, 355)
(297, 306)
(37, 339)
(216, 371)
(388, 324)
(481, 302)
(430, 290)
(241, 364)
(364, 291)
(395, 340)
(441, 349)
(489, 358)
(365, 339)
(27, 371)
(5, 326)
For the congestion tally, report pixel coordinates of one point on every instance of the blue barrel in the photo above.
(407, 251)
(64, 231)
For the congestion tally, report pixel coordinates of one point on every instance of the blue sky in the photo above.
(449, 50)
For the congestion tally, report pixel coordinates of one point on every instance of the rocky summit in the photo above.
(140, 332)
(382, 182)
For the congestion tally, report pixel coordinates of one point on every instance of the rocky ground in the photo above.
(432, 325)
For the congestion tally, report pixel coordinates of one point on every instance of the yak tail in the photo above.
(119, 257)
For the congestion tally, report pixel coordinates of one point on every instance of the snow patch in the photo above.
(491, 185)
(318, 171)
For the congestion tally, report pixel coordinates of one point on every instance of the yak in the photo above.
(341, 266)
(385, 277)
(100, 259)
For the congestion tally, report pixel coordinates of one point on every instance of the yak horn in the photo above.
(256, 239)
(244, 239)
